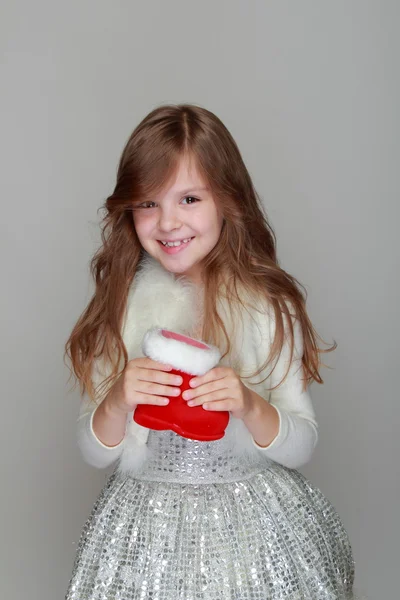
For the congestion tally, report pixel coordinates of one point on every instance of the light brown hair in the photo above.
(246, 250)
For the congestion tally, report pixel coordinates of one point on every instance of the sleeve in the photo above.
(298, 429)
(94, 452)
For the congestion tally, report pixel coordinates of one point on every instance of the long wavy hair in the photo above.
(246, 249)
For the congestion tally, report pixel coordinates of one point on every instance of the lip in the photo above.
(174, 249)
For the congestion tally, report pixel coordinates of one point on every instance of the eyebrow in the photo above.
(182, 192)
(194, 189)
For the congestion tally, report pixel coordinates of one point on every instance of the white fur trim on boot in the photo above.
(195, 358)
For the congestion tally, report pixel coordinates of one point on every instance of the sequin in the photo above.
(203, 522)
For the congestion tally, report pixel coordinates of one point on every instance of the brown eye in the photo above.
(147, 204)
(192, 199)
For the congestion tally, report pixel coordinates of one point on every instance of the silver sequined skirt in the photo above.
(202, 523)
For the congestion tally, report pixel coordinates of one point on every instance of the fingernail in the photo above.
(191, 403)
(166, 401)
(193, 382)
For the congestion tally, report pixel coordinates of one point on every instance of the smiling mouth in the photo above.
(176, 244)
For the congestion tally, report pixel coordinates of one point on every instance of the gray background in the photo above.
(310, 91)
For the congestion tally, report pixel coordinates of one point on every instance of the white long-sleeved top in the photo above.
(161, 300)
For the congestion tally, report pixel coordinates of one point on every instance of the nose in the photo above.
(168, 219)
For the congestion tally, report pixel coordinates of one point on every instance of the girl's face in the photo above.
(186, 213)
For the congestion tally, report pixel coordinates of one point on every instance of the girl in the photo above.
(187, 246)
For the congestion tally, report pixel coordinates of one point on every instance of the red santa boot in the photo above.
(188, 357)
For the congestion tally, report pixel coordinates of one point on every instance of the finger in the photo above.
(204, 390)
(150, 399)
(158, 377)
(149, 363)
(146, 387)
(227, 404)
(160, 365)
(212, 375)
(218, 395)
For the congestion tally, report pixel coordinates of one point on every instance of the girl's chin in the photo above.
(191, 273)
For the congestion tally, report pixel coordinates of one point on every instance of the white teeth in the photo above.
(178, 243)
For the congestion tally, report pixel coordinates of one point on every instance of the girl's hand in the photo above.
(220, 389)
(143, 381)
